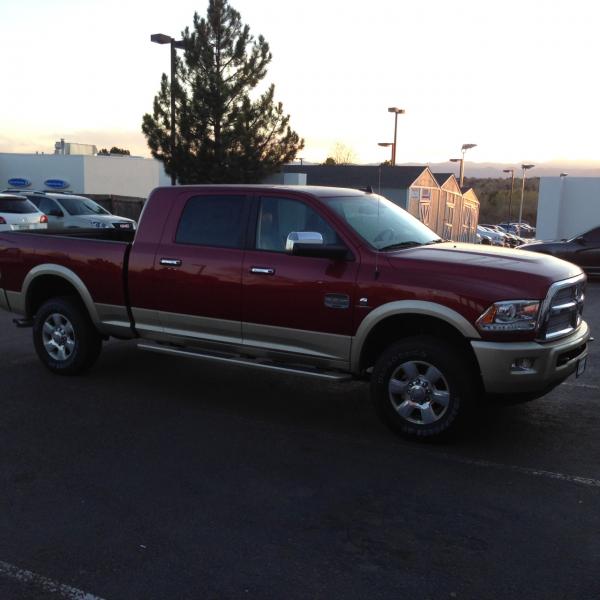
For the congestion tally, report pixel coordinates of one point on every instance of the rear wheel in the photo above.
(423, 387)
(64, 337)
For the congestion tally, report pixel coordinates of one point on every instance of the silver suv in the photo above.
(66, 211)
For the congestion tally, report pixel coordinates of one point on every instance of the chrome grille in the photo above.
(561, 310)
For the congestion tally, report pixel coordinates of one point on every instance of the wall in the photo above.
(567, 206)
(107, 175)
(122, 175)
(39, 167)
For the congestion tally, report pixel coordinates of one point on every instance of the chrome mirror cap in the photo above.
(302, 237)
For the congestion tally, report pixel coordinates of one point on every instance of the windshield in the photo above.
(381, 223)
(81, 206)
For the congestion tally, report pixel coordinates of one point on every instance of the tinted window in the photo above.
(278, 217)
(212, 221)
(46, 205)
(18, 206)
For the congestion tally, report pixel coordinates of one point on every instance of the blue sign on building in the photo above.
(56, 184)
(19, 182)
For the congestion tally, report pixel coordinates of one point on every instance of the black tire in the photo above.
(64, 337)
(433, 391)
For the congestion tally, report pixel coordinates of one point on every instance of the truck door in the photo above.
(296, 305)
(198, 268)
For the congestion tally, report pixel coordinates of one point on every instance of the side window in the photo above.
(277, 217)
(46, 205)
(212, 221)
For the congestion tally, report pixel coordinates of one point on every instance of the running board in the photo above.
(259, 363)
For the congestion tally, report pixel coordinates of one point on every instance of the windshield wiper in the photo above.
(407, 244)
(436, 241)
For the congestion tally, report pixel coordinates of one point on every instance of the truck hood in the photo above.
(490, 273)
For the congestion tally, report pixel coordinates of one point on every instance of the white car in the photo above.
(65, 211)
(17, 213)
(495, 237)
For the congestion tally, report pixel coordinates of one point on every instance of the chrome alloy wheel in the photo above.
(58, 337)
(419, 392)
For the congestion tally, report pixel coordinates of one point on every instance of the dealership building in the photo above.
(89, 174)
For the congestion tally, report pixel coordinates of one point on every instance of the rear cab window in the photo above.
(217, 220)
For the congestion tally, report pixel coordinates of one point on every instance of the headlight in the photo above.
(99, 224)
(511, 315)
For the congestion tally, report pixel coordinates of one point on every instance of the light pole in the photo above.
(387, 145)
(396, 111)
(383, 145)
(525, 167)
(161, 38)
(512, 187)
(460, 169)
(464, 148)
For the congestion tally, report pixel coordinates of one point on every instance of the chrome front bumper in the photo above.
(552, 362)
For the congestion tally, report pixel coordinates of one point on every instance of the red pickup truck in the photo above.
(326, 282)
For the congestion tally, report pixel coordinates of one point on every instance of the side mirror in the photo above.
(298, 238)
(310, 243)
(55, 212)
(580, 240)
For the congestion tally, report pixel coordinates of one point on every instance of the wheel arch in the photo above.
(48, 281)
(397, 320)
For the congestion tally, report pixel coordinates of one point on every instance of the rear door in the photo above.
(295, 305)
(197, 280)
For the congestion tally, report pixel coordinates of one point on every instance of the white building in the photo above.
(84, 174)
(567, 206)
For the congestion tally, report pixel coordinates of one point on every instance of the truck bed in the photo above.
(98, 257)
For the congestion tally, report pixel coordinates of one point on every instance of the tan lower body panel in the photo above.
(281, 343)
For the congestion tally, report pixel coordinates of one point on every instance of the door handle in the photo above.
(170, 262)
(262, 270)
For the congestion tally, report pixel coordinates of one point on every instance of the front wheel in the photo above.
(64, 337)
(423, 387)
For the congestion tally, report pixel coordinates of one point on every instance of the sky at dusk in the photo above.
(518, 78)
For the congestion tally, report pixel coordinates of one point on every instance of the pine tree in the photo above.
(222, 134)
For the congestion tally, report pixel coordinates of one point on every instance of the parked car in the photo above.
(65, 211)
(582, 250)
(511, 240)
(323, 282)
(18, 213)
(523, 230)
(496, 238)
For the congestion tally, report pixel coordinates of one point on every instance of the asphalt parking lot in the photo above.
(154, 477)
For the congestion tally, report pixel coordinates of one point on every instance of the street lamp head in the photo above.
(385, 144)
(526, 166)
(468, 146)
(455, 159)
(398, 111)
(508, 170)
(563, 174)
(161, 38)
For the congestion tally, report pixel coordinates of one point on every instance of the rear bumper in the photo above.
(552, 363)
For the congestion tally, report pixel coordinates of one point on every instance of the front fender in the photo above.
(407, 307)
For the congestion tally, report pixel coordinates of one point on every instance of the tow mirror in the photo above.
(310, 243)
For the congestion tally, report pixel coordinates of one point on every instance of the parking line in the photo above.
(58, 590)
(588, 481)
(582, 385)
